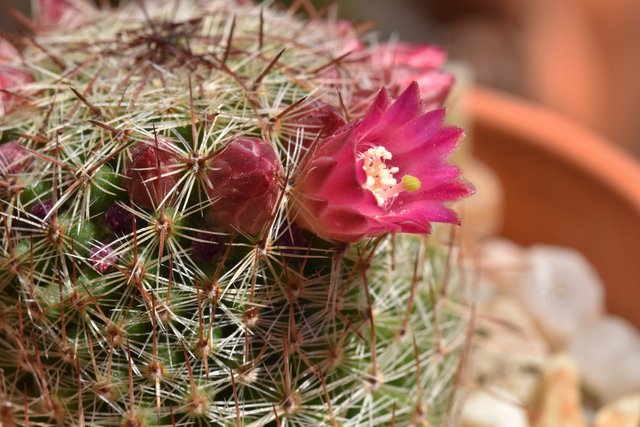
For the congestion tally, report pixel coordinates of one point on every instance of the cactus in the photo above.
(154, 269)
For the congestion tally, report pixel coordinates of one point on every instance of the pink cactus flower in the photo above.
(416, 56)
(14, 158)
(404, 63)
(384, 173)
(352, 42)
(49, 13)
(11, 79)
(152, 174)
(7, 52)
(245, 185)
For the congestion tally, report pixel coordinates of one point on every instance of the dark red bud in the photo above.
(118, 219)
(318, 120)
(245, 185)
(42, 209)
(151, 174)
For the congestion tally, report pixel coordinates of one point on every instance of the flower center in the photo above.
(380, 177)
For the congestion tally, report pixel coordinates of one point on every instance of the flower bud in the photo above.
(14, 158)
(245, 185)
(151, 174)
(317, 120)
(207, 247)
(42, 209)
(102, 258)
(118, 219)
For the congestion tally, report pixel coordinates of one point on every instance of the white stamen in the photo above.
(380, 180)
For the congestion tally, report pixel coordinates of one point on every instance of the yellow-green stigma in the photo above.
(411, 183)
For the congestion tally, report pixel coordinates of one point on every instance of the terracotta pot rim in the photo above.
(551, 132)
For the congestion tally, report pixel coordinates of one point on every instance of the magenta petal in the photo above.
(432, 152)
(424, 56)
(435, 85)
(374, 115)
(421, 212)
(50, 12)
(7, 51)
(405, 108)
(318, 170)
(74, 13)
(415, 56)
(14, 158)
(430, 176)
(416, 223)
(346, 222)
(451, 191)
(324, 178)
(414, 133)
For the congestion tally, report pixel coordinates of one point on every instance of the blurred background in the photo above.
(579, 57)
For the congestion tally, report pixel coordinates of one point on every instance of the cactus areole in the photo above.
(213, 213)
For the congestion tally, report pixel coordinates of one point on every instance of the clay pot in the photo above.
(564, 185)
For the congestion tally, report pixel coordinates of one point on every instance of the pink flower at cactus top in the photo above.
(14, 159)
(49, 13)
(11, 77)
(404, 63)
(384, 173)
(7, 51)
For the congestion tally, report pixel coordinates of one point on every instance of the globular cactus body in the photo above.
(171, 254)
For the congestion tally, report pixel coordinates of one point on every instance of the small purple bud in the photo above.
(42, 209)
(102, 258)
(208, 247)
(39, 210)
(292, 240)
(118, 219)
(245, 184)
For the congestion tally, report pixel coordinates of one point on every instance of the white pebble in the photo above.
(608, 354)
(562, 291)
(483, 409)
